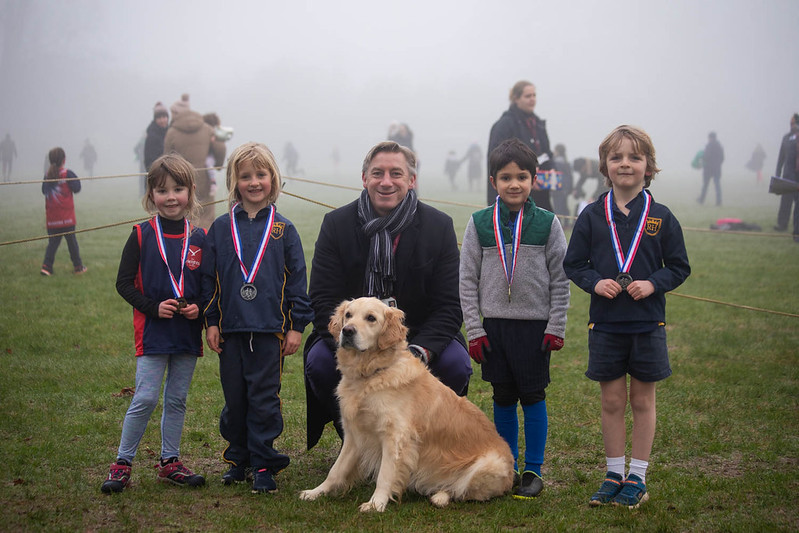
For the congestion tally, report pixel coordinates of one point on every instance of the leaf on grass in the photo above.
(126, 391)
(19, 481)
(9, 351)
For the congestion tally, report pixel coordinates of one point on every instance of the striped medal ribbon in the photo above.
(624, 278)
(248, 290)
(508, 266)
(177, 285)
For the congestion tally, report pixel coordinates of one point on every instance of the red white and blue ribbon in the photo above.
(249, 275)
(177, 285)
(625, 263)
(508, 266)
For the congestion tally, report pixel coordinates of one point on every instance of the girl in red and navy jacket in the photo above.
(254, 281)
(159, 276)
(58, 187)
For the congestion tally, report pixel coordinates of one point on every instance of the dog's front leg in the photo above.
(341, 476)
(392, 478)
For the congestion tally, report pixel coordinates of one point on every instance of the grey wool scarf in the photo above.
(380, 274)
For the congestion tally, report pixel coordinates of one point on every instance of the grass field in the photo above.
(725, 456)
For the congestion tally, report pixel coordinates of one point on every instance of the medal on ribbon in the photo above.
(624, 263)
(508, 266)
(177, 285)
(248, 291)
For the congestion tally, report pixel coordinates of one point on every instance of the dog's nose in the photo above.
(348, 331)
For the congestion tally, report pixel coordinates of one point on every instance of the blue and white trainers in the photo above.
(610, 487)
(632, 494)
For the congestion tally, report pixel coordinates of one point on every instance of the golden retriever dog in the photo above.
(402, 426)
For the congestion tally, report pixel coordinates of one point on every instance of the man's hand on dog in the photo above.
(478, 348)
(551, 343)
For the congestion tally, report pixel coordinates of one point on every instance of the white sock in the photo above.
(638, 467)
(616, 465)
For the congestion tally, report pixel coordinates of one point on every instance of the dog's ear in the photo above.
(337, 320)
(394, 331)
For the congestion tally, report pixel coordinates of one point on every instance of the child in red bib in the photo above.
(58, 188)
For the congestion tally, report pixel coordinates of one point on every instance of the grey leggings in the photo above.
(150, 371)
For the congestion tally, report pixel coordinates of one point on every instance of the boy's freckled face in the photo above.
(513, 185)
(626, 166)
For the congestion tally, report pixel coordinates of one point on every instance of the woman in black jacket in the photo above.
(520, 122)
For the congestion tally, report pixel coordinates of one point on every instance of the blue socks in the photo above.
(536, 423)
(535, 435)
(507, 423)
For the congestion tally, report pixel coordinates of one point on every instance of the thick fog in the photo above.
(333, 75)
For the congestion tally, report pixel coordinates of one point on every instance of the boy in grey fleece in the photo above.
(522, 293)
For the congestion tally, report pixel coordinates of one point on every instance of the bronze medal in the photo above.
(624, 279)
(182, 303)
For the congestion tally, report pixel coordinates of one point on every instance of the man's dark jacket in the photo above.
(427, 263)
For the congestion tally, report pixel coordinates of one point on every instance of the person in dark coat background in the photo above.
(711, 167)
(788, 168)
(520, 122)
(154, 142)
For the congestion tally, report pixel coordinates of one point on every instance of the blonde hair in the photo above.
(261, 157)
(642, 144)
(174, 166)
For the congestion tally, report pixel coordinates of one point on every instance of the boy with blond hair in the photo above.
(627, 251)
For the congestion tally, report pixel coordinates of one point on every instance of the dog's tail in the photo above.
(491, 475)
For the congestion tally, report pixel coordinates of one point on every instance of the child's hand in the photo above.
(639, 290)
(213, 338)
(292, 342)
(191, 311)
(607, 288)
(551, 343)
(478, 348)
(167, 308)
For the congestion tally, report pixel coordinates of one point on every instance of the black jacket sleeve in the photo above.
(126, 276)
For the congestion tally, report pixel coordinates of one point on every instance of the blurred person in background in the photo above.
(8, 151)
(154, 141)
(712, 158)
(787, 168)
(89, 157)
(190, 136)
(519, 121)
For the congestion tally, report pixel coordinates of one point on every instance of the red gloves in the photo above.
(551, 343)
(478, 348)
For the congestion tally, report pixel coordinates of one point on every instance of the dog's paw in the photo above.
(310, 495)
(440, 499)
(373, 505)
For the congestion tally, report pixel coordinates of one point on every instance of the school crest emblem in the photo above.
(194, 258)
(653, 226)
(277, 230)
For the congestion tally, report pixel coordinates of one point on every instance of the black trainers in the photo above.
(118, 478)
(174, 472)
(46, 270)
(264, 482)
(235, 474)
(530, 486)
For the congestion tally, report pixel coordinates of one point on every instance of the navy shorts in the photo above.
(516, 355)
(642, 355)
